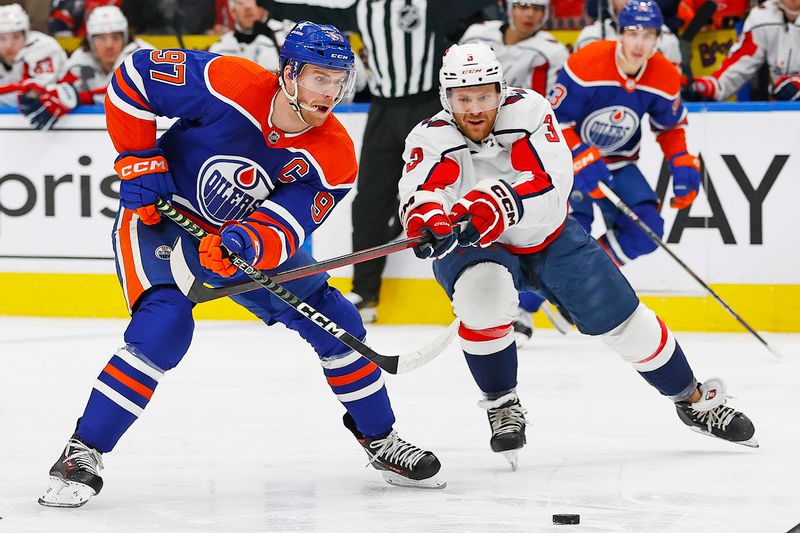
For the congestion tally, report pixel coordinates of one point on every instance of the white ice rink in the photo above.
(246, 436)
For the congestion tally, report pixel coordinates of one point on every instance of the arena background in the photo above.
(58, 198)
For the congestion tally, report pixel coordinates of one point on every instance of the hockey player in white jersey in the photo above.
(495, 162)
(771, 35)
(88, 71)
(667, 43)
(531, 57)
(257, 37)
(25, 54)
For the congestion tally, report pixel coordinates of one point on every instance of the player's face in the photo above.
(475, 109)
(108, 46)
(527, 18)
(321, 89)
(245, 13)
(637, 46)
(10, 45)
(792, 5)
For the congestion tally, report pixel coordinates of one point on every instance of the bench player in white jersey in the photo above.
(256, 37)
(25, 54)
(771, 35)
(531, 59)
(495, 161)
(667, 42)
(87, 72)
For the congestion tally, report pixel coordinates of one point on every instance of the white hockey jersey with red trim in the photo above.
(41, 58)
(85, 73)
(532, 64)
(525, 148)
(766, 37)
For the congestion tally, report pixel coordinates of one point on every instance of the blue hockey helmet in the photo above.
(641, 15)
(317, 44)
(320, 45)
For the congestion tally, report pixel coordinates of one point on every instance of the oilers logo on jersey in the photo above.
(231, 187)
(610, 128)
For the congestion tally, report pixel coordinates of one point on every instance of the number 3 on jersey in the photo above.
(174, 72)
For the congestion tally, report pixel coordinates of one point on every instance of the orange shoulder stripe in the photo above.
(128, 132)
(661, 75)
(331, 146)
(595, 62)
(243, 82)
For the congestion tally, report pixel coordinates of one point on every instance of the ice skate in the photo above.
(400, 462)
(74, 476)
(559, 318)
(507, 421)
(523, 327)
(367, 307)
(710, 416)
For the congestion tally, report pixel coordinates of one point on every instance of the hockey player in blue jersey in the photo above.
(495, 160)
(600, 99)
(259, 162)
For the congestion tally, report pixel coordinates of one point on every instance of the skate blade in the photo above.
(750, 443)
(62, 493)
(511, 456)
(397, 480)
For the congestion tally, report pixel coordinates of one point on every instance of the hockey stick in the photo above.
(627, 211)
(701, 17)
(198, 292)
(394, 364)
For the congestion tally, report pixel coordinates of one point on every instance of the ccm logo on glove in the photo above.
(128, 170)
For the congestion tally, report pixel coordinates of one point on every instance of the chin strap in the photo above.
(293, 103)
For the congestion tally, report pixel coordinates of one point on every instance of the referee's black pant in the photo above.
(375, 205)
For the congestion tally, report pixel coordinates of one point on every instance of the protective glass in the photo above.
(335, 84)
(474, 99)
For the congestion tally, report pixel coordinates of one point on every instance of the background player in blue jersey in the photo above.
(259, 162)
(600, 99)
(495, 159)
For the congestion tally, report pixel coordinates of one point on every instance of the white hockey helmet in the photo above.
(13, 18)
(467, 65)
(511, 3)
(106, 19)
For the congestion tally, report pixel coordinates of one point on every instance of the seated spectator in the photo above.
(88, 72)
(68, 18)
(257, 37)
(667, 43)
(25, 54)
(669, 10)
(771, 35)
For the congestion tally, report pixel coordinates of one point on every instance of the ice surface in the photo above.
(245, 436)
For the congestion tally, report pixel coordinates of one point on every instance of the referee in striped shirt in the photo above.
(404, 41)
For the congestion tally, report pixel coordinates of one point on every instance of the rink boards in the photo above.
(57, 202)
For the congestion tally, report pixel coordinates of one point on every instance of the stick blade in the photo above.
(181, 272)
(410, 360)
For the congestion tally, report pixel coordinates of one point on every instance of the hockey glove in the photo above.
(703, 88)
(216, 249)
(685, 179)
(589, 169)
(787, 89)
(44, 105)
(492, 206)
(430, 220)
(145, 178)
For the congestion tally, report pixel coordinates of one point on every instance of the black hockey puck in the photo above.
(566, 519)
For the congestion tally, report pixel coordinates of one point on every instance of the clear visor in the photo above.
(475, 99)
(327, 84)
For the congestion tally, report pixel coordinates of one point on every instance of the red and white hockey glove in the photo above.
(44, 105)
(704, 87)
(589, 169)
(491, 207)
(145, 178)
(787, 88)
(685, 179)
(429, 219)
